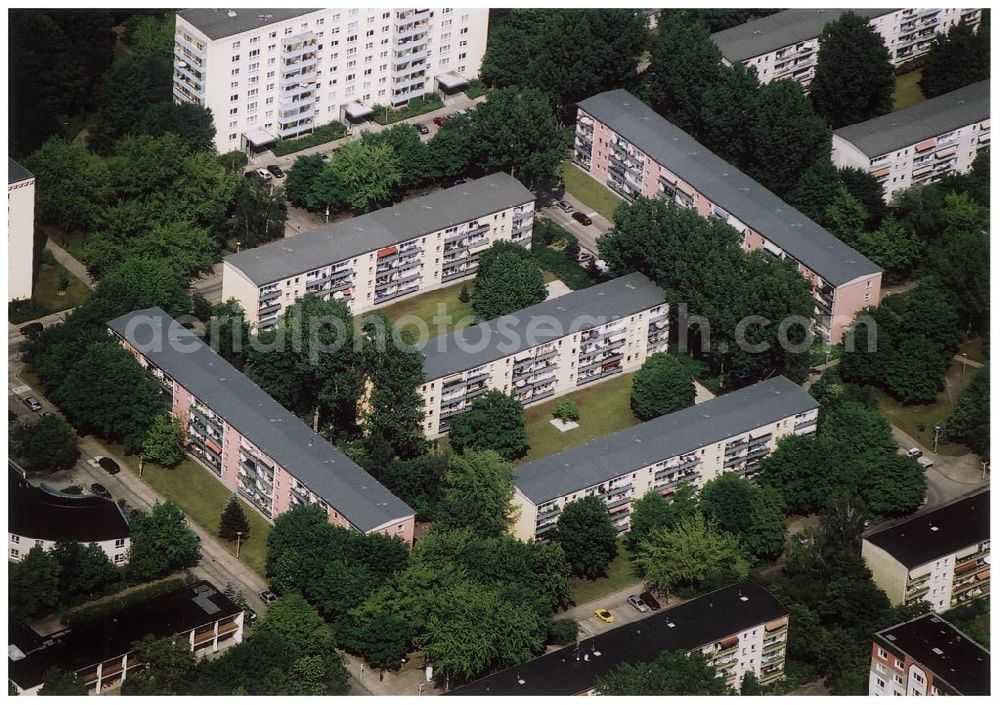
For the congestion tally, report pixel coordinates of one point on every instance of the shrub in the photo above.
(563, 631)
(48, 258)
(324, 133)
(566, 410)
(385, 115)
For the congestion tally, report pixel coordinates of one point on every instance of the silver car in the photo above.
(637, 602)
(566, 206)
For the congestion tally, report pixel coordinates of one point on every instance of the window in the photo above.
(14, 538)
(14, 553)
(880, 682)
(236, 57)
(119, 543)
(254, 52)
(232, 137)
(899, 664)
(882, 653)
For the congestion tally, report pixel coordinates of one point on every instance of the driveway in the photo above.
(586, 234)
(951, 476)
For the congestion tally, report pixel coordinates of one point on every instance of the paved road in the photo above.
(586, 234)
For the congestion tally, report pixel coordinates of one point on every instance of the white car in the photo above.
(925, 462)
(637, 602)
(914, 453)
(264, 174)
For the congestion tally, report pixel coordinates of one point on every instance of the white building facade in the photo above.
(785, 45)
(919, 144)
(279, 73)
(20, 231)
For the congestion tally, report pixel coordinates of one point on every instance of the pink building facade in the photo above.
(271, 482)
(843, 281)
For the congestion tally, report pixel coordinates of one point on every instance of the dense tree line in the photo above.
(970, 419)
(707, 274)
(43, 444)
(957, 59)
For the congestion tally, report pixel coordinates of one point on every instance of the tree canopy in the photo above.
(507, 280)
(495, 422)
(43, 444)
(670, 673)
(587, 536)
(664, 384)
(956, 59)
(477, 493)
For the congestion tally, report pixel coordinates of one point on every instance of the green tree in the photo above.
(654, 511)
(786, 137)
(137, 284)
(164, 443)
(587, 536)
(300, 180)
(191, 122)
(727, 502)
(798, 471)
(477, 494)
(33, 584)
(893, 247)
(360, 176)
(816, 189)
(495, 422)
(867, 190)
(846, 217)
(507, 280)
(727, 107)
(166, 667)
(691, 556)
(896, 486)
(259, 213)
(684, 65)
(410, 153)
(85, 572)
(416, 481)
(670, 673)
(961, 268)
(228, 332)
(750, 685)
(70, 184)
(915, 375)
(233, 521)
(765, 537)
(58, 681)
(664, 384)
(44, 444)
(161, 542)
(970, 419)
(854, 78)
(127, 91)
(383, 641)
(566, 410)
(450, 150)
(956, 59)
(91, 395)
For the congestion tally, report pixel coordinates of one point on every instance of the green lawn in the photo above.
(907, 90)
(598, 197)
(420, 311)
(203, 498)
(973, 347)
(621, 573)
(45, 297)
(604, 409)
(918, 419)
(71, 242)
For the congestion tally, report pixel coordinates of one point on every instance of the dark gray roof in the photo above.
(927, 536)
(729, 188)
(16, 172)
(464, 348)
(926, 119)
(664, 437)
(938, 646)
(689, 625)
(381, 228)
(308, 456)
(215, 23)
(767, 34)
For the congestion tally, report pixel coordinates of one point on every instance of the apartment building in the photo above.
(20, 231)
(545, 350)
(785, 45)
(624, 144)
(39, 516)
(921, 143)
(731, 433)
(276, 73)
(384, 256)
(741, 628)
(248, 441)
(100, 652)
(927, 656)
(941, 557)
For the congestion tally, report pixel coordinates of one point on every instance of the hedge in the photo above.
(88, 613)
(385, 116)
(324, 133)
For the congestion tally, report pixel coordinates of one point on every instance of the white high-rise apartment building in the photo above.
(20, 231)
(278, 73)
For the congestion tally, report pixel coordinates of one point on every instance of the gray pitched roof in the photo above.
(578, 310)
(764, 35)
(312, 459)
(729, 188)
(927, 119)
(215, 23)
(381, 228)
(664, 437)
(16, 172)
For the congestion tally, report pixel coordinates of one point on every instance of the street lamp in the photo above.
(937, 432)
(965, 363)
(237, 245)
(239, 535)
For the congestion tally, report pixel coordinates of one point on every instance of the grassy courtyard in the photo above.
(46, 299)
(598, 197)
(908, 90)
(420, 311)
(203, 498)
(604, 408)
(621, 573)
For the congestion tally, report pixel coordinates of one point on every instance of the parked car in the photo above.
(914, 453)
(421, 128)
(267, 596)
(582, 218)
(566, 206)
(100, 490)
(249, 617)
(275, 171)
(604, 615)
(110, 465)
(325, 157)
(925, 462)
(584, 257)
(637, 602)
(456, 182)
(440, 120)
(264, 174)
(651, 602)
(32, 403)
(32, 329)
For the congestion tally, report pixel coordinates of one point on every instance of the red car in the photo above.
(582, 218)
(650, 601)
(440, 120)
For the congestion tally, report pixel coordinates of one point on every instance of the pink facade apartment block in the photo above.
(623, 144)
(248, 441)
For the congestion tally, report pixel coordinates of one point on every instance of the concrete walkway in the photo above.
(71, 263)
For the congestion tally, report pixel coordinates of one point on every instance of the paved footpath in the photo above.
(75, 266)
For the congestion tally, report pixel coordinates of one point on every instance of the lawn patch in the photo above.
(621, 573)
(908, 90)
(588, 191)
(384, 115)
(424, 308)
(46, 299)
(604, 408)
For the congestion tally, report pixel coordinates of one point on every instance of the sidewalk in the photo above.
(75, 266)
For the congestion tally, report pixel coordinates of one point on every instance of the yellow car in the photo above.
(604, 615)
